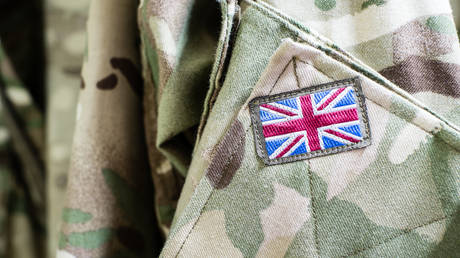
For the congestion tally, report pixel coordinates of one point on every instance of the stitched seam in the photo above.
(313, 209)
(294, 60)
(405, 232)
(279, 76)
(204, 118)
(222, 57)
(202, 128)
(297, 30)
(254, 117)
(260, 5)
(381, 82)
(310, 179)
(227, 163)
(431, 133)
(234, 150)
(378, 104)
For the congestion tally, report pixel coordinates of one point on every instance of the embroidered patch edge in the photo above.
(257, 124)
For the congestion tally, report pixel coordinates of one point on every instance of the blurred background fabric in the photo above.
(40, 81)
(65, 41)
(22, 96)
(42, 49)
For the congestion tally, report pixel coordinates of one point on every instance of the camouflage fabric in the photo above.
(65, 46)
(22, 197)
(109, 209)
(22, 173)
(378, 201)
(396, 197)
(149, 149)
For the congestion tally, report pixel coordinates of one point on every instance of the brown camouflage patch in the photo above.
(107, 83)
(228, 156)
(417, 39)
(164, 71)
(82, 83)
(419, 74)
(130, 71)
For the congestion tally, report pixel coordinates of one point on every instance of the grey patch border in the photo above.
(362, 114)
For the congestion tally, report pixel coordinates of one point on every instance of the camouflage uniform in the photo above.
(190, 119)
(165, 155)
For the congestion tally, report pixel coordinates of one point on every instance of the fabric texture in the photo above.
(109, 173)
(229, 128)
(370, 207)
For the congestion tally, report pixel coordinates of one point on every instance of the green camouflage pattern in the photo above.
(389, 199)
(147, 147)
(230, 203)
(109, 208)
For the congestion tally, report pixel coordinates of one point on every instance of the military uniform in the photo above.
(319, 128)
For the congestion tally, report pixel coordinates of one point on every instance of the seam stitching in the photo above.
(378, 104)
(313, 209)
(203, 119)
(253, 115)
(310, 179)
(226, 164)
(296, 31)
(405, 232)
(199, 133)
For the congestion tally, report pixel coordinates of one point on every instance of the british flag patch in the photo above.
(310, 122)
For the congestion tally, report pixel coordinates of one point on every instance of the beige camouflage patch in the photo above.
(210, 229)
(434, 232)
(279, 226)
(406, 143)
(331, 168)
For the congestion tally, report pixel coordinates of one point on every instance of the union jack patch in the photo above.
(310, 122)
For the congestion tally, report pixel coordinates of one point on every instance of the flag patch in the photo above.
(310, 122)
